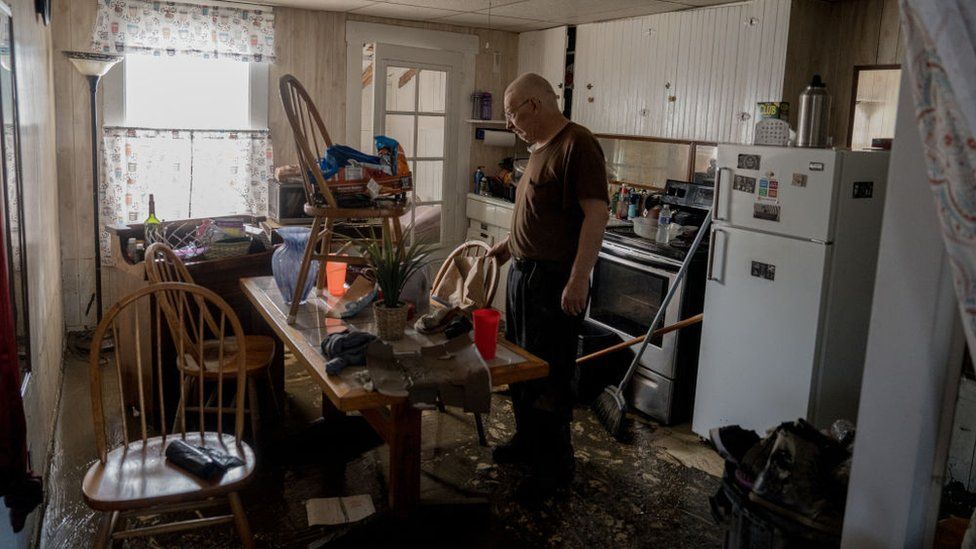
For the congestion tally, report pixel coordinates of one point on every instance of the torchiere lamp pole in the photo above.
(94, 66)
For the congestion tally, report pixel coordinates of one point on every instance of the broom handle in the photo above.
(667, 299)
(623, 345)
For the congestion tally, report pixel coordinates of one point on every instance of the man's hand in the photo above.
(500, 252)
(574, 296)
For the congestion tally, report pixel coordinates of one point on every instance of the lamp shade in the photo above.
(92, 64)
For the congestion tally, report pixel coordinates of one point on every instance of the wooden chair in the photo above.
(134, 478)
(163, 265)
(311, 142)
(474, 248)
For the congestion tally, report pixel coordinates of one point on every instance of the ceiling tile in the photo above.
(583, 10)
(326, 5)
(400, 11)
(515, 24)
(657, 7)
(705, 2)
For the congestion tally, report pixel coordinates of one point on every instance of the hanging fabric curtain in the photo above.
(940, 40)
(178, 28)
(192, 173)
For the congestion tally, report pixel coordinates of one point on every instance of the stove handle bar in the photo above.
(713, 243)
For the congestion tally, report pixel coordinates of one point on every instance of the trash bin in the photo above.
(592, 376)
(751, 526)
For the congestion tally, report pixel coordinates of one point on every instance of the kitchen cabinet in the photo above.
(490, 220)
(544, 52)
(693, 75)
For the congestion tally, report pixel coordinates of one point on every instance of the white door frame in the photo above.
(357, 35)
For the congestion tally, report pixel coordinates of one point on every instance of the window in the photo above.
(187, 93)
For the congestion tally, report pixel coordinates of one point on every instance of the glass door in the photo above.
(412, 104)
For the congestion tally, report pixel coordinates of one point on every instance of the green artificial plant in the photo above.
(393, 263)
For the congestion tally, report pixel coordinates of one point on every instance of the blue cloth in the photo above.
(345, 349)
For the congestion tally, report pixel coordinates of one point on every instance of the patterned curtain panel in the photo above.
(191, 174)
(940, 39)
(177, 28)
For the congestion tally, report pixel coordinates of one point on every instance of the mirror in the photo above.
(13, 203)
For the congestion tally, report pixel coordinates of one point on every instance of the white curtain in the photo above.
(184, 28)
(940, 39)
(192, 174)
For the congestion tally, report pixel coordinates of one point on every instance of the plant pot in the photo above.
(390, 322)
(287, 260)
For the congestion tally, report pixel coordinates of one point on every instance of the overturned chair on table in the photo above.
(133, 477)
(456, 286)
(311, 142)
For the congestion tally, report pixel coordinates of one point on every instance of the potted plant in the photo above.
(392, 264)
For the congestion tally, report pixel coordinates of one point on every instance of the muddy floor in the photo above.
(650, 492)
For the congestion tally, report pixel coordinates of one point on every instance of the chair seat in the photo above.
(138, 476)
(260, 352)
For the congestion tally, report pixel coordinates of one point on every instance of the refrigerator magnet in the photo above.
(744, 184)
(799, 180)
(763, 210)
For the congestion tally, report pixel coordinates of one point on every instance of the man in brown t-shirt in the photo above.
(557, 227)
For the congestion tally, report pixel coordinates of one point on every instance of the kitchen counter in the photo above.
(492, 200)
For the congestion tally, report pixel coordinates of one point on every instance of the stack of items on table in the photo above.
(360, 180)
(786, 490)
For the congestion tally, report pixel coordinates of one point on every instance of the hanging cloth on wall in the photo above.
(940, 40)
(178, 28)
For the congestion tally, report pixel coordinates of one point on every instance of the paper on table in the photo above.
(332, 511)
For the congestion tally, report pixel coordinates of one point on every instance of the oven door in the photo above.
(626, 294)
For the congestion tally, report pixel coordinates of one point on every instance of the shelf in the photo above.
(488, 122)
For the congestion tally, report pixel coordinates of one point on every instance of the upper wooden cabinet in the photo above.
(693, 75)
(544, 52)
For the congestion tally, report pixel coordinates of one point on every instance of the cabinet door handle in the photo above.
(712, 245)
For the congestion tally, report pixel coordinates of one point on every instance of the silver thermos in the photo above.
(813, 127)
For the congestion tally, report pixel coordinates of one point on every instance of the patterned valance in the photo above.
(177, 28)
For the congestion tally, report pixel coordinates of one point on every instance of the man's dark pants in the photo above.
(536, 322)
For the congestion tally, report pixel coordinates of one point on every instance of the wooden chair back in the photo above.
(473, 248)
(163, 265)
(190, 303)
(311, 139)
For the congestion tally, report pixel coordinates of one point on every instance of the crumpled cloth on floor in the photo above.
(345, 349)
(462, 289)
(453, 374)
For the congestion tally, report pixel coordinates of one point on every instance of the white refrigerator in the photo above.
(791, 272)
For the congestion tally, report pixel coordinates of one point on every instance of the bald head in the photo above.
(532, 86)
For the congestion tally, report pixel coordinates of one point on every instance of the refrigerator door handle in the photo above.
(711, 255)
(718, 195)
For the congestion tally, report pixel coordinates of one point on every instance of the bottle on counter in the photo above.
(632, 207)
(478, 175)
(613, 203)
(152, 226)
(484, 186)
(623, 202)
(663, 225)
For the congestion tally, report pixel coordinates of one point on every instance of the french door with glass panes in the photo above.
(414, 103)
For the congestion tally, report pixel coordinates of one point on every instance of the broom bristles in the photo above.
(609, 408)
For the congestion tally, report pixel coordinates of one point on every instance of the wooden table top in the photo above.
(311, 326)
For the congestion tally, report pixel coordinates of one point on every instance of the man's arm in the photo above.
(591, 236)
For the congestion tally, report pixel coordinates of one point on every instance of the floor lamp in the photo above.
(94, 66)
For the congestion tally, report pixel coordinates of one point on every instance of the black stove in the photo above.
(624, 235)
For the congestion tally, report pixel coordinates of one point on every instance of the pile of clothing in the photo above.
(458, 292)
(797, 472)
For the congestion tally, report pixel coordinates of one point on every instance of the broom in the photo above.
(610, 406)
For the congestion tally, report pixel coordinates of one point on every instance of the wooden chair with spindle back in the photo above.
(474, 248)
(163, 265)
(134, 477)
(311, 143)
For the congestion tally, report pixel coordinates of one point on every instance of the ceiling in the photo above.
(510, 15)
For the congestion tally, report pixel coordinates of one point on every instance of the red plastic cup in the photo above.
(486, 331)
(335, 274)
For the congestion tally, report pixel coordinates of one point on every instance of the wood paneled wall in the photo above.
(42, 215)
(830, 38)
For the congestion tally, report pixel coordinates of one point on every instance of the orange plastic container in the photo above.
(335, 276)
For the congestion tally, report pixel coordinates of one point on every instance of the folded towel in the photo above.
(345, 349)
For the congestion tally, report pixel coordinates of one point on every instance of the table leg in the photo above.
(404, 444)
(329, 411)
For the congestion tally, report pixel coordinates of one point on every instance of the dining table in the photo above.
(394, 418)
